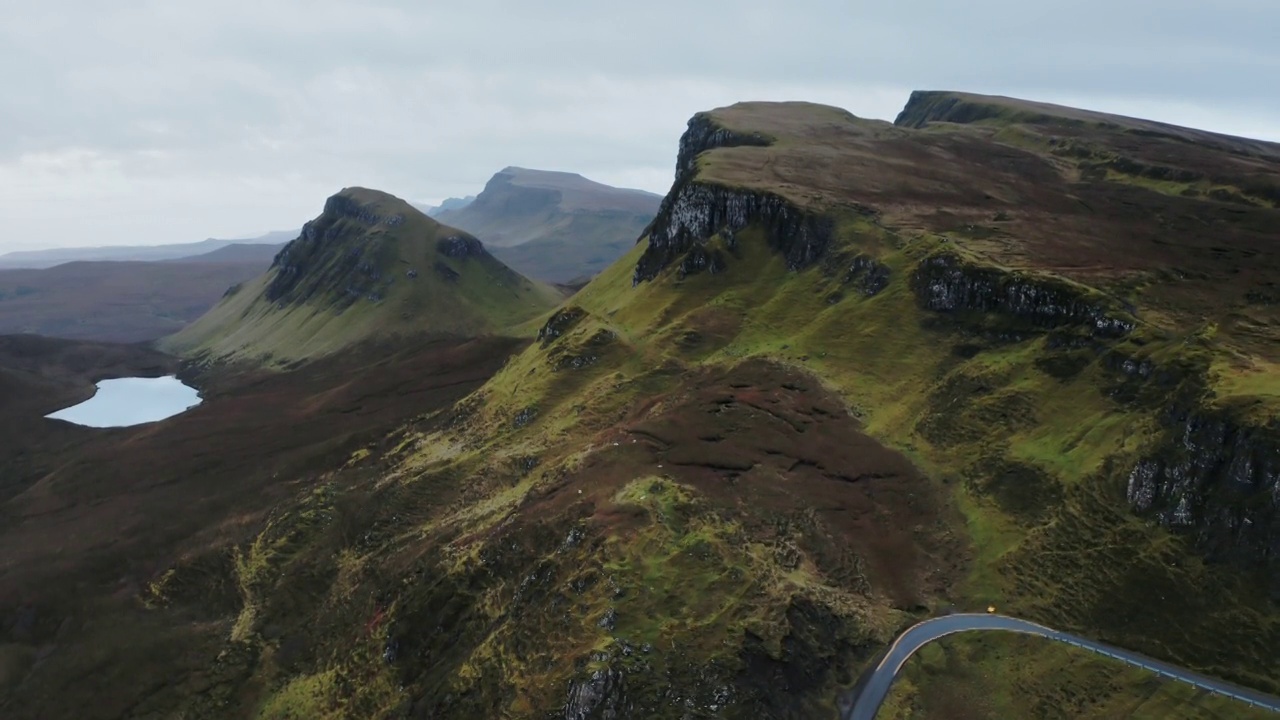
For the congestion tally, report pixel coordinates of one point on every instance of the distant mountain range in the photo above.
(261, 253)
(554, 226)
(57, 256)
(120, 301)
(452, 203)
(996, 354)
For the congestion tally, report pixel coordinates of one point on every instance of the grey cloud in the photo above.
(150, 121)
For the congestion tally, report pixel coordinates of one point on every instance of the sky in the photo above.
(171, 121)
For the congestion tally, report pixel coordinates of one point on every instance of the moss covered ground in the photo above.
(720, 494)
(557, 538)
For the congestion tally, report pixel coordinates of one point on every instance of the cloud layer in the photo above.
(150, 122)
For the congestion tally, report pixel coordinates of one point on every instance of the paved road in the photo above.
(863, 700)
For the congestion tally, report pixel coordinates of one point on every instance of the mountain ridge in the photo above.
(40, 259)
(838, 386)
(925, 106)
(370, 264)
(852, 375)
(119, 300)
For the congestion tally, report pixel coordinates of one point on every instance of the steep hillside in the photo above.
(369, 266)
(554, 226)
(855, 374)
(87, 516)
(116, 301)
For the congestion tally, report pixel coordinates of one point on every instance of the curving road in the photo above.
(863, 700)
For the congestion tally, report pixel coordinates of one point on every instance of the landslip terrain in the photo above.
(853, 374)
(117, 301)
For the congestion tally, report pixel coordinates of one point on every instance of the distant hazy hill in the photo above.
(554, 226)
(57, 256)
(123, 301)
(369, 265)
(452, 203)
(237, 252)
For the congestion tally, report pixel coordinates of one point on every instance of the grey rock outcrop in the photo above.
(695, 211)
(1217, 480)
(945, 283)
(560, 323)
(601, 696)
(869, 275)
(348, 207)
(703, 134)
(460, 246)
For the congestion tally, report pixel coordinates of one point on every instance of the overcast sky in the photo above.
(170, 121)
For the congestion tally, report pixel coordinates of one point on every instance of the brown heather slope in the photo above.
(855, 374)
(116, 301)
(81, 542)
(40, 375)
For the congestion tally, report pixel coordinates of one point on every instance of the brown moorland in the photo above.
(853, 375)
(116, 301)
(88, 532)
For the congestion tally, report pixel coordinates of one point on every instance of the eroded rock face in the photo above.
(315, 262)
(703, 134)
(694, 211)
(560, 323)
(601, 696)
(460, 246)
(699, 259)
(697, 211)
(347, 207)
(340, 258)
(324, 259)
(1218, 481)
(944, 283)
(868, 275)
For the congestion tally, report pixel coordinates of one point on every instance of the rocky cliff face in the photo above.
(1211, 477)
(328, 255)
(344, 255)
(460, 246)
(945, 283)
(346, 206)
(705, 134)
(925, 106)
(695, 211)
(1219, 481)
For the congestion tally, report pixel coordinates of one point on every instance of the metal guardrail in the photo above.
(863, 700)
(1164, 672)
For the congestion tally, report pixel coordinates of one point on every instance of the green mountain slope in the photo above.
(369, 266)
(554, 226)
(855, 374)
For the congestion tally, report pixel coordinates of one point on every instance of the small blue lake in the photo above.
(131, 401)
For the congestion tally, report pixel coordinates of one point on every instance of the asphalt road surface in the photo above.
(863, 700)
